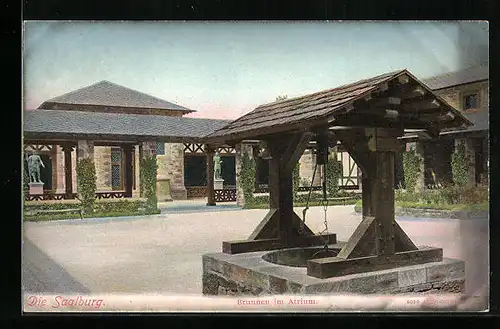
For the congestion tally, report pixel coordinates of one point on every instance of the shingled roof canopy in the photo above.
(105, 93)
(74, 125)
(395, 99)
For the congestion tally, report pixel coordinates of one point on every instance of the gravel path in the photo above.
(162, 253)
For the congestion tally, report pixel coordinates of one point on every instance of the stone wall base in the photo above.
(178, 193)
(248, 274)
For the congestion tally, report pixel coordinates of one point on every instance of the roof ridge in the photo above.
(97, 94)
(335, 88)
(126, 114)
(451, 73)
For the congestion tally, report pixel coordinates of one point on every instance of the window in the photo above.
(471, 101)
(116, 168)
(160, 148)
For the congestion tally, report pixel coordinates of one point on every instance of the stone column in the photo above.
(172, 167)
(137, 164)
(471, 157)
(85, 149)
(210, 176)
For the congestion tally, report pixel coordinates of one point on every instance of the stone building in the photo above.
(114, 119)
(468, 91)
(129, 116)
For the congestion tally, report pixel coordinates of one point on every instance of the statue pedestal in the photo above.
(163, 189)
(218, 183)
(36, 188)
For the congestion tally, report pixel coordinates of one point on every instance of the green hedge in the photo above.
(102, 208)
(452, 207)
(148, 173)
(262, 201)
(412, 169)
(47, 217)
(86, 180)
(460, 165)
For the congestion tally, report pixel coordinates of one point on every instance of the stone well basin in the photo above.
(298, 257)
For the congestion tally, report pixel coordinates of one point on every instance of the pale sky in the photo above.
(224, 70)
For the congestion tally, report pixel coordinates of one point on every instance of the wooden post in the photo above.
(210, 151)
(281, 191)
(366, 196)
(128, 172)
(68, 183)
(383, 195)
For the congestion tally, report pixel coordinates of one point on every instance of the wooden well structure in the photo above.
(367, 117)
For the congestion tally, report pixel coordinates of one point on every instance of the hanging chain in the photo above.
(303, 223)
(324, 203)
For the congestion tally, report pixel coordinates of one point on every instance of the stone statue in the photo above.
(34, 163)
(217, 167)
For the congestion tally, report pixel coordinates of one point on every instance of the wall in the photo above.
(171, 166)
(454, 95)
(102, 160)
(307, 163)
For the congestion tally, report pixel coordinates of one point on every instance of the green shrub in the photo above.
(102, 208)
(148, 173)
(305, 182)
(450, 195)
(86, 179)
(247, 177)
(333, 173)
(412, 170)
(459, 166)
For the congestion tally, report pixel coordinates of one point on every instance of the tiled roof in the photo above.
(99, 123)
(473, 74)
(105, 93)
(306, 109)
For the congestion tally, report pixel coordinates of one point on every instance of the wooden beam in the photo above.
(403, 79)
(296, 148)
(427, 104)
(402, 242)
(333, 266)
(268, 227)
(242, 246)
(362, 241)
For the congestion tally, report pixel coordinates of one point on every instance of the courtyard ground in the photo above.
(162, 253)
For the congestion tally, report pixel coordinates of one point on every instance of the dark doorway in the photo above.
(46, 173)
(228, 169)
(437, 162)
(399, 177)
(480, 160)
(262, 171)
(195, 171)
